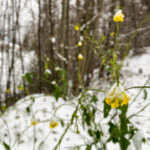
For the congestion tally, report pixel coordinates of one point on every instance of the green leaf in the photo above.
(144, 140)
(114, 132)
(90, 132)
(7, 147)
(107, 109)
(28, 78)
(93, 112)
(97, 134)
(28, 109)
(88, 147)
(87, 117)
(94, 99)
(132, 131)
(62, 123)
(145, 94)
(57, 92)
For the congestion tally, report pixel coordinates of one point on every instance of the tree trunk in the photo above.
(39, 47)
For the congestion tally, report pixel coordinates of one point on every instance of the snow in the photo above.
(53, 40)
(5, 59)
(42, 109)
(17, 120)
(136, 72)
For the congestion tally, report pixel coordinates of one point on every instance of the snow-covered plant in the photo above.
(115, 106)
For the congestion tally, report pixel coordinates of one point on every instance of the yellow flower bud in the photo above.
(79, 44)
(112, 34)
(34, 122)
(80, 57)
(8, 91)
(53, 124)
(76, 27)
(103, 60)
(119, 16)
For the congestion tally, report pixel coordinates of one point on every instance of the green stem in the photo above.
(79, 74)
(137, 87)
(57, 108)
(15, 143)
(61, 138)
(123, 127)
(116, 36)
(139, 91)
(139, 111)
(117, 72)
(41, 144)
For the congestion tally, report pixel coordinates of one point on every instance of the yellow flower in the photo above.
(114, 105)
(53, 124)
(103, 60)
(126, 100)
(34, 122)
(112, 34)
(8, 91)
(79, 44)
(119, 16)
(80, 57)
(76, 27)
(20, 88)
(117, 97)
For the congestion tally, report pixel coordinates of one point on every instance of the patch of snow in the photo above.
(42, 109)
(5, 63)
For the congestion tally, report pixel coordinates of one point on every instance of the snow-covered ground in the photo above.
(16, 120)
(16, 76)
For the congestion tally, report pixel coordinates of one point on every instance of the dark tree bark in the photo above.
(88, 64)
(39, 47)
(51, 31)
(65, 31)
